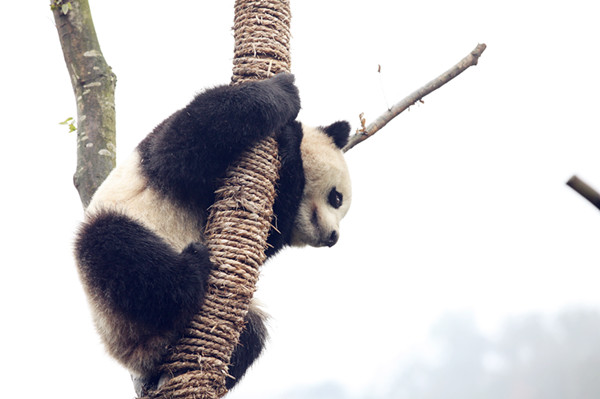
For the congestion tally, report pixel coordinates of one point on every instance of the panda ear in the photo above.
(339, 132)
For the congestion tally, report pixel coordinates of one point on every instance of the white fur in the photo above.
(126, 190)
(324, 169)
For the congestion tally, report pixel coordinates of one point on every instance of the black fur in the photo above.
(135, 276)
(339, 132)
(290, 187)
(184, 156)
(139, 275)
(251, 343)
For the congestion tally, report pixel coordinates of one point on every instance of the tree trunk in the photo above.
(94, 87)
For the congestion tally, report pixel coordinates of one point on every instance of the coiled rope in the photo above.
(238, 223)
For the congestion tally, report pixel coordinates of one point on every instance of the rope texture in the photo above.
(238, 222)
(262, 39)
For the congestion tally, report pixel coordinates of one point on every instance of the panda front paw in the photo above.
(286, 97)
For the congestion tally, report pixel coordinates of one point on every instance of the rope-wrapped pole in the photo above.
(238, 223)
(262, 39)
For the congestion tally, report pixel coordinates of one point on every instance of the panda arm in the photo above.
(235, 116)
(290, 187)
(132, 272)
(196, 144)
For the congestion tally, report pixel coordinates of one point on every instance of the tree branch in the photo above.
(584, 190)
(94, 87)
(415, 96)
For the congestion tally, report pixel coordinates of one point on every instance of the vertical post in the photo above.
(262, 39)
(239, 222)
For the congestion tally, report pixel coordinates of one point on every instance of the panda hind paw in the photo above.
(196, 248)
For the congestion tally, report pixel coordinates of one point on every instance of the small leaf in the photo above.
(55, 4)
(66, 121)
(69, 122)
(65, 8)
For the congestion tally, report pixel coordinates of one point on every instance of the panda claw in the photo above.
(196, 248)
(143, 386)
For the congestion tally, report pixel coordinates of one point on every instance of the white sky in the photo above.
(459, 204)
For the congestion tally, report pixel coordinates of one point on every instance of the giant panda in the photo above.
(140, 251)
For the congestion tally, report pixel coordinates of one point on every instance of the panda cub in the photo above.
(140, 251)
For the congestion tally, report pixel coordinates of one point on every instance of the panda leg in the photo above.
(137, 275)
(251, 343)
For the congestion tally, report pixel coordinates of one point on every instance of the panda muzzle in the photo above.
(333, 239)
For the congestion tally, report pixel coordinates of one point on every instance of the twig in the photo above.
(584, 190)
(415, 96)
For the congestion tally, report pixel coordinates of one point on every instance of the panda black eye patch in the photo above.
(335, 198)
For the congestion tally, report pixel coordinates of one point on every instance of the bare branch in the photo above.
(94, 87)
(415, 96)
(584, 190)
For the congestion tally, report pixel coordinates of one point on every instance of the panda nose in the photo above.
(333, 238)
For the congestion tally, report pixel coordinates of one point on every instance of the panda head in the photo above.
(327, 191)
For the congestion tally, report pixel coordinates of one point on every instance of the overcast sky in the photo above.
(460, 204)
